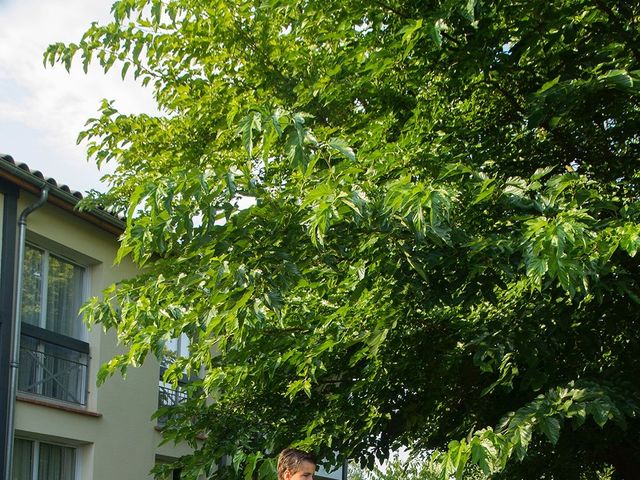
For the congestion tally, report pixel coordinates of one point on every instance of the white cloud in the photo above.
(42, 110)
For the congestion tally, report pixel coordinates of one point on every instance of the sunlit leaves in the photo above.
(424, 208)
(248, 127)
(380, 224)
(342, 147)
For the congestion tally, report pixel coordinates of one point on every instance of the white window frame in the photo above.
(35, 456)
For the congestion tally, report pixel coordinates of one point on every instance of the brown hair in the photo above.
(291, 459)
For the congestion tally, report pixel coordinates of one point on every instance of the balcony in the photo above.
(170, 397)
(53, 366)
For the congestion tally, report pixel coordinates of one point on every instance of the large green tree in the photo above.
(382, 223)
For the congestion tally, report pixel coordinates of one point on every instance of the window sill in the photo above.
(57, 406)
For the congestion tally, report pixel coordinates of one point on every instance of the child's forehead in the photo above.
(305, 466)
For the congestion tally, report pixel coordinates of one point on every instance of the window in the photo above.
(53, 353)
(168, 395)
(170, 473)
(34, 460)
(175, 348)
(52, 293)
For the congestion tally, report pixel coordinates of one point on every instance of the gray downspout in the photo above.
(14, 354)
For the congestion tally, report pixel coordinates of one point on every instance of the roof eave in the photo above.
(25, 179)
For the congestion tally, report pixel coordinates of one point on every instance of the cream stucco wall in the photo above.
(122, 442)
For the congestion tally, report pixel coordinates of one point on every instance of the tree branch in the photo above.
(513, 101)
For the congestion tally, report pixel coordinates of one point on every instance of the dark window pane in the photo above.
(65, 372)
(56, 462)
(22, 459)
(64, 297)
(30, 360)
(53, 371)
(32, 286)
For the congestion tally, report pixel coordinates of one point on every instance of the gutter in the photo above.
(26, 180)
(14, 361)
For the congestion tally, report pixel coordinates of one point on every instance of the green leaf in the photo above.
(409, 30)
(550, 426)
(342, 147)
(247, 127)
(468, 9)
(548, 85)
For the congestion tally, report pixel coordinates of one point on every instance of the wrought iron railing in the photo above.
(54, 371)
(170, 397)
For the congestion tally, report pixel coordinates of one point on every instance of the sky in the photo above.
(42, 110)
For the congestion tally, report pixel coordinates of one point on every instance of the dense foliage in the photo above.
(397, 467)
(383, 223)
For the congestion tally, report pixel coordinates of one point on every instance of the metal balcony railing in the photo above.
(170, 397)
(50, 370)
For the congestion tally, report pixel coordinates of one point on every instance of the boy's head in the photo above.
(295, 464)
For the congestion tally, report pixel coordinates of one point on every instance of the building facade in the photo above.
(65, 427)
